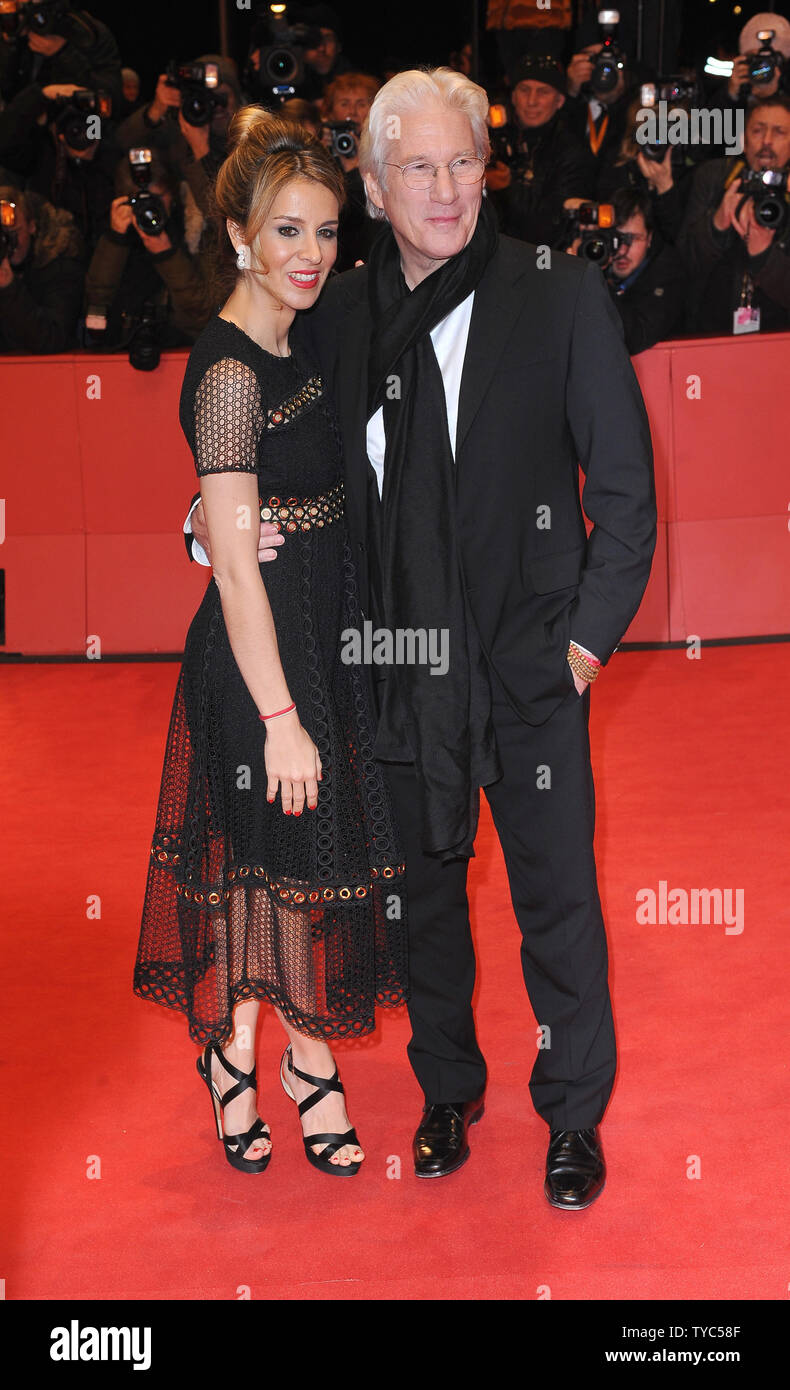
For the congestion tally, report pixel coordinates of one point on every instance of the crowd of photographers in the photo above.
(674, 184)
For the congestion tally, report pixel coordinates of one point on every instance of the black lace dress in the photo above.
(242, 901)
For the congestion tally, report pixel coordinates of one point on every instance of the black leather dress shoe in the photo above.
(575, 1170)
(440, 1144)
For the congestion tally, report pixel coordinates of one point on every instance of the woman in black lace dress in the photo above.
(275, 872)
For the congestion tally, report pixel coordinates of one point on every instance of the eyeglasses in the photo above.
(420, 174)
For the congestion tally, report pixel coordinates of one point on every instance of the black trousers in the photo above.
(546, 833)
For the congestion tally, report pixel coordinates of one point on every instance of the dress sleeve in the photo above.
(228, 419)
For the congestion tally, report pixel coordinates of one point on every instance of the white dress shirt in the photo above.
(449, 339)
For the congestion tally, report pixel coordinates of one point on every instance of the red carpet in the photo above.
(691, 761)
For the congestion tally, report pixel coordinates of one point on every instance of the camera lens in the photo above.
(761, 70)
(281, 66)
(595, 249)
(769, 211)
(604, 77)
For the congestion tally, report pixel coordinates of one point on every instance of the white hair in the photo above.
(412, 91)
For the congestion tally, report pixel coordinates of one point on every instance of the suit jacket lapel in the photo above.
(499, 299)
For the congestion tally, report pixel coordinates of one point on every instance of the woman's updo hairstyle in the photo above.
(264, 153)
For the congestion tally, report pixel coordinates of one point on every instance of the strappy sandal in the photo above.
(235, 1145)
(325, 1085)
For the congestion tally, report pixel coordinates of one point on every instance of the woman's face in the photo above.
(298, 243)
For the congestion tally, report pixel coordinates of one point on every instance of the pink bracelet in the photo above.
(278, 712)
(593, 660)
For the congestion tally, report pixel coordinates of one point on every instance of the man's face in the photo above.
(131, 89)
(352, 105)
(766, 142)
(430, 224)
(322, 59)
(535, 102)
(628, 258)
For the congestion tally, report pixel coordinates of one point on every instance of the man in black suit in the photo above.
(472, 375)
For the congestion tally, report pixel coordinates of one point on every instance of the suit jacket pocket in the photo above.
(562, 570)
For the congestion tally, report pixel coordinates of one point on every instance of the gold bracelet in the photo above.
(581, 665)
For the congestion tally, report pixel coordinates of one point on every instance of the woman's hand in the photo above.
(292, 763)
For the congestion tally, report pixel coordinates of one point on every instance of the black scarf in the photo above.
(442, 722)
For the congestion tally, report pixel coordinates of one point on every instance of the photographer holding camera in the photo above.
(42, 272)
(536, 162)
(760, 70)
(59, 142)
(735, 238)
(597, 92)
(141, 271)
(296, 53)
(662, 171)
(187, 120)
(344, 110)
(646, 278)
(47, 42)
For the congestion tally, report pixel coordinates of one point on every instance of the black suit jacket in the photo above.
(547, 385)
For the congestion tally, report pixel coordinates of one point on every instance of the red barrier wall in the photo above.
(96, 476)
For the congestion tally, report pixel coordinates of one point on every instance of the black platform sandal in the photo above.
(235, 1144)
(333, 1142)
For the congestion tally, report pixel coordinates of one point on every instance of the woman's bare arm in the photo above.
(230, 502)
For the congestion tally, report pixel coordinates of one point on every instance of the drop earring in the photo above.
(243, 259)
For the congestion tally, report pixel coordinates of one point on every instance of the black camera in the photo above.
(45, 16)
(148, 209)
(767, 189)
(609, 63)
(145, 346)
(678, 95)
(595, 223)
(344, 138)
(508, 146)
(198, 84)
(8, 234)
(767, 61)
(282, 47)
(80, 116)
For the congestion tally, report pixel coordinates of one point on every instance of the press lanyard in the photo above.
(596, 136)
